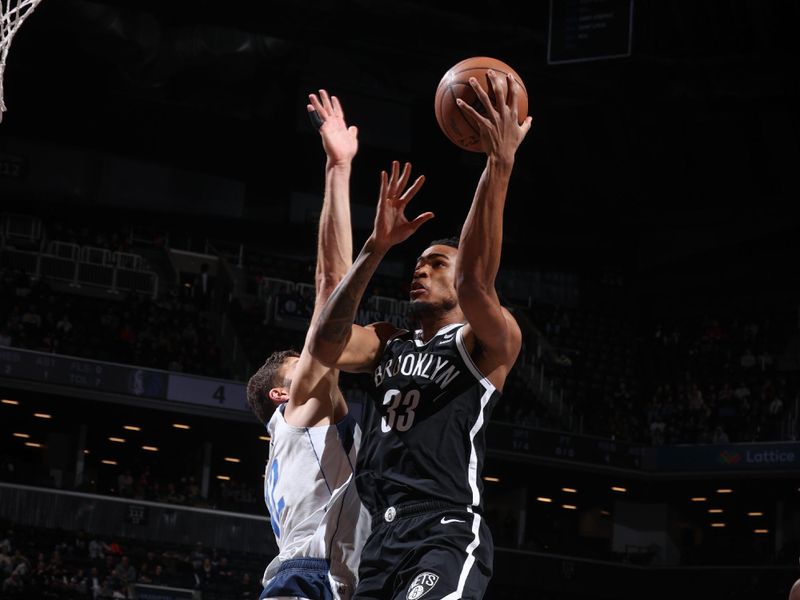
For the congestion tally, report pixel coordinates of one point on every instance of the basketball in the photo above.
(455, 84)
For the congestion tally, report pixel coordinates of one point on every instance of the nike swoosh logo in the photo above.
(445, 521)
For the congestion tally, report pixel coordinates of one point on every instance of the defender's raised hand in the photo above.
(391, 224)
(339, 141)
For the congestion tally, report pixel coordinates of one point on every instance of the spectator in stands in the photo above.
(5, 561)
(79, 583)
(124, 571)
(95, 582)
(150, 562)
(206, 574)
(125, 484)
(192, 490)
(203, 287)
(97, 550)
(748, 359)
(64, 326)
(173, 495)
(225, 574)
(197, 556)
(113, 549)
(143, 483)
(720, 436)
(247, 588)
(158, 577)
(13, 585)
(5, 543)
(775, 409)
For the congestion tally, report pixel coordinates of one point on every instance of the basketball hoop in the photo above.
(12, 15)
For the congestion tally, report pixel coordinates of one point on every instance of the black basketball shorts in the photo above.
(429, 550)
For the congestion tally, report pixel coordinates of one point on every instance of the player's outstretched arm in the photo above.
(335, 238)
(478, 258)
(336, 340)
(315, 393)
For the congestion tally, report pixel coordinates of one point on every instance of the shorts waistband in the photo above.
(304, 564)
(411, 509)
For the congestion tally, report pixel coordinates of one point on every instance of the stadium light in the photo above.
(22, 435)
(699, 499)
(569, 490)
(760, 530)
(755, 514)
(617, 488)
(492, 479)
(150, 448)
(569, 506)
(725, 491)
(264, 438)
(42, 416)
(106, 461)
(224, 477)
(117, 440)
(231, 459)
(33, 445)
(180, 426)
(11, 402)
(543, 499)
(715, 511)
(131, 427)
(718, 525)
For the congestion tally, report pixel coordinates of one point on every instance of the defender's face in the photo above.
(280, 393)
(287, 370)
(434, 277)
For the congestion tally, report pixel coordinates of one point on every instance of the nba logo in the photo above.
(422, 584)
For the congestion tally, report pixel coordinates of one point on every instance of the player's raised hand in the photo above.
(339, 141)
(391, 224)
(500, 131)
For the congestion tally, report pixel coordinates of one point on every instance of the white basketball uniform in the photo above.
(319, 522)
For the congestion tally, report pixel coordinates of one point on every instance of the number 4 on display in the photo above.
(219, 394)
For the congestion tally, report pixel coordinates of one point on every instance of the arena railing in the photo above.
(76, 273)
(64, 250)
(136, 519)
(22, 227)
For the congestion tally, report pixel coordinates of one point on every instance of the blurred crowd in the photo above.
(36, 563)
(168, 333)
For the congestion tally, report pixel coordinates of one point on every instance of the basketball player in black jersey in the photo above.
(419, 467)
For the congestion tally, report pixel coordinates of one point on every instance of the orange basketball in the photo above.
(455, 84)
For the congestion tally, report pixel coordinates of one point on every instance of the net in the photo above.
(12, 14)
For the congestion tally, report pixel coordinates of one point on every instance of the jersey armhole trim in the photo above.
(462, 350)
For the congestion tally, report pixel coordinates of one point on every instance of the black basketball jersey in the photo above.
(424, 427)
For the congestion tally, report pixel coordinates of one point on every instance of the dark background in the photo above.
(684, 152)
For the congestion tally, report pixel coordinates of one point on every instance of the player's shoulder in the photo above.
(387, 331)
(500, 348)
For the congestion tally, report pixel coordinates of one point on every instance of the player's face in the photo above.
(433, 285)
(280, 393)
(287, 370)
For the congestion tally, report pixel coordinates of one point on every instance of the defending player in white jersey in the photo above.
(317, 517)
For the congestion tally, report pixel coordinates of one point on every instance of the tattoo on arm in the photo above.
(338, 314)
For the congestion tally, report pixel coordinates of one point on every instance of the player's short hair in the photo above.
(263, 380)
(448, 241)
